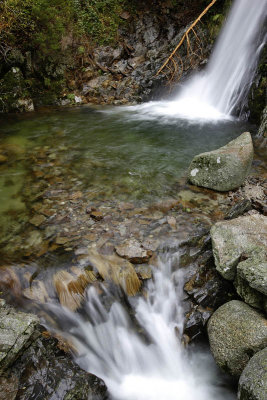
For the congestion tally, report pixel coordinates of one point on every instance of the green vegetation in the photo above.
(41, 24)
(45, 38)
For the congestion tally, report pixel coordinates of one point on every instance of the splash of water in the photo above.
(144, 361)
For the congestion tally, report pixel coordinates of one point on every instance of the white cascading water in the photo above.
(221, 90)
(135, 368)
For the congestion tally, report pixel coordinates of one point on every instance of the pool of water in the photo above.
(114, 153)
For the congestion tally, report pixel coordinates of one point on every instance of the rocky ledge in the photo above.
(31, 362)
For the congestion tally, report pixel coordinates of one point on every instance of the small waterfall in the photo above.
(225, 84)
(142, 360)
(222, 89)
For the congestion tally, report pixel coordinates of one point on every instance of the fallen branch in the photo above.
(185, 36)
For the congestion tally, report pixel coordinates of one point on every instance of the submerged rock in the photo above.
(71, 288)
(253, 381)
(117, 270)
(225, 168)
(133, 251)
(236, 332)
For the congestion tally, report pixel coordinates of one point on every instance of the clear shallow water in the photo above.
(115, 152)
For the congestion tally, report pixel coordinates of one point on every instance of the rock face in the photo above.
(225, 168)
(17, 330)
(236, 332)
(45, 369)
(253, 381)
(34, 366)
(263, 125)
(243, 238)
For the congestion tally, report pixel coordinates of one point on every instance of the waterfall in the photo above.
(142, 360)
(222, 89)
(226, 82)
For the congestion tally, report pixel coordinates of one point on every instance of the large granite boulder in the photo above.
(236, 332)
(253, 381)
(225, 168)
(240, 253)
(241, 237)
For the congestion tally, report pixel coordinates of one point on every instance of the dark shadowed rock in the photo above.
(34, 366)
(17, 330)
(263, 125)
(46, 372)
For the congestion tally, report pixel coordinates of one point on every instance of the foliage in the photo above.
(40, 24)
(37, 24)
(99, 19)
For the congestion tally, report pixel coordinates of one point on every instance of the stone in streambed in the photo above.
(253, 381)
(117, 270)
(133, 251)
(236, 332)
(225, 168)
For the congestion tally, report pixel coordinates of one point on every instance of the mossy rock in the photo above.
(225, 168)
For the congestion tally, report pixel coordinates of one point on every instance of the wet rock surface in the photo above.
(253, 381)
(17, 331)
(236, 332)
(225, 168)
(45, 371)
(34, 366)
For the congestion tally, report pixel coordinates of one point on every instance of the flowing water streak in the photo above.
(145, 360)
(222, 89)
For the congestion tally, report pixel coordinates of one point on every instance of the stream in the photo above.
(87, 177)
